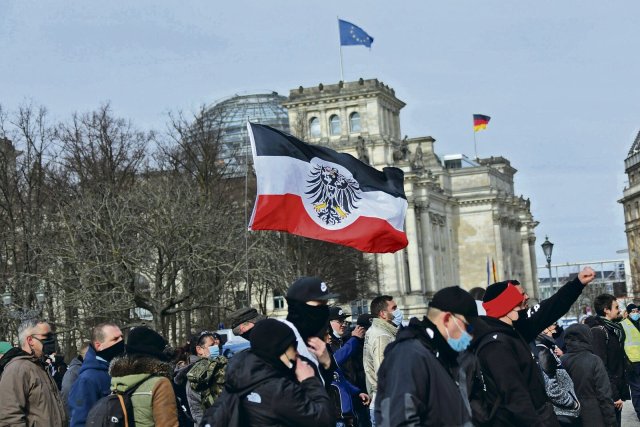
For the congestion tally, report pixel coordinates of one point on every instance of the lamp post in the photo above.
(547, 248)
(19, 313)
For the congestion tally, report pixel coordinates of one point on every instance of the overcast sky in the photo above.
(560, 80)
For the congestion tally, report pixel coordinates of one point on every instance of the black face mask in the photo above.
(49, 345)
(311, 321)
(246, 334)
(112, 352)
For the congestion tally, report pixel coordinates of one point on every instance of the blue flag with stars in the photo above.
(353, 35)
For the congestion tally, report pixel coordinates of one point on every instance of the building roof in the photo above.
(635, 147)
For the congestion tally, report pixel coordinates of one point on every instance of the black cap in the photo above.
(144, 340)
(336, 313)
(365, 320)
(455, 300)
(630, 307)
(309, 289)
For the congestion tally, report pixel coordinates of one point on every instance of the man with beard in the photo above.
(94, 381)
(28, 394)
(308, 317)
(608, 344)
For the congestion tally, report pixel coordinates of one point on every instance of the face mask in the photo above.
(634, 316)
(459, 344)
(48, 344)
(310, 321)
(246, 335)
(292, 364)
(214, 351)
(112, 352)
(398, 315)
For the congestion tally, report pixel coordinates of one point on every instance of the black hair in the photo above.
(380, 303)
(477, 293)
(602, 302)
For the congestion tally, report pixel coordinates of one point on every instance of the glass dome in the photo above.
(231, 117)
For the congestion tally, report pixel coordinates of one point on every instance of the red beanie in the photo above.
(504, 302)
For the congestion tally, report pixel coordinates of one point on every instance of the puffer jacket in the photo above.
(589, 378)
(273, 397)
(28, 394)
(378, 337)
(154, 402)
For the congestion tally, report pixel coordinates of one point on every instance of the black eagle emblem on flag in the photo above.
(333, 195)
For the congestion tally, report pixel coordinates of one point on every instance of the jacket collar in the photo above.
(428, 334)
(385, 326)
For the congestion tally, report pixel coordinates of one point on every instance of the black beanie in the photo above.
(144, 340)
(270, 338)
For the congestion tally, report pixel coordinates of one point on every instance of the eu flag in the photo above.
(353, 35)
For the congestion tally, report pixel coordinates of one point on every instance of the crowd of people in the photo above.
(484, 358)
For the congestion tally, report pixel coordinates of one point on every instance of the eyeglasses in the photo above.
(341, 322)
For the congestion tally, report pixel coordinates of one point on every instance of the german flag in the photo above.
(480, 122)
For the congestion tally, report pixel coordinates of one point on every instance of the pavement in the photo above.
(629, 418)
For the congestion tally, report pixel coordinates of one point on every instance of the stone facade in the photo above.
(631, 203)
(460, 213)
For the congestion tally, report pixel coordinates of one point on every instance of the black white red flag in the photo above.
(315, 192)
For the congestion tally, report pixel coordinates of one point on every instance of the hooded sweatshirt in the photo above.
(589, 376)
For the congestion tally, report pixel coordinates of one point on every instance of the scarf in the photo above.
(614, 327)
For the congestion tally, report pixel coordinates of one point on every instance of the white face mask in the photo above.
(398, 316)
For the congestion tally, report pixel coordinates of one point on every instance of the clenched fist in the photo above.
(587, 275)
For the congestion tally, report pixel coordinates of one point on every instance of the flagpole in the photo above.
(340, 46)
(246, 220)
(475, 144)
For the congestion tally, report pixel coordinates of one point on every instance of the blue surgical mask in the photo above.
(214, 351)
(634, 316)
(459, 344)
(397, 317)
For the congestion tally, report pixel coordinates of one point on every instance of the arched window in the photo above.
(314, 127)
(354, 122)
(334, 125)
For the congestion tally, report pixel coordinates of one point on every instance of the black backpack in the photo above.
(114, 410)
(225, 412)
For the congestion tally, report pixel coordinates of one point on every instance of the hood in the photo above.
(245, 370)
(14, 353)
(592, 321)
(75, 362)
(485, 325)
(127, 371)
(91, 362)
(578, 338)
(385, 326)
(429, 335)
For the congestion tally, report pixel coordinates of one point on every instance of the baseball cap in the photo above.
(365, 320)
(336, 313)
(309, 289)
(456, 300)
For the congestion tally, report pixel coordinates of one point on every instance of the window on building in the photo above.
(354, 122)
(278, 302)
(314, 127)
(334, 125)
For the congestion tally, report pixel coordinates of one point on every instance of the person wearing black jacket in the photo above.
(608, 344)
(501, 341)
(418, 380)
(589, 378)
(276, 387)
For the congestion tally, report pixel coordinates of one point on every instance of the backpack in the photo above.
(114, 410)
(483, 407)
(207, 377)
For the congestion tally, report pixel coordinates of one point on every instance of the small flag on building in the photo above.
(351, 34)
(315, 192)
(480, 122)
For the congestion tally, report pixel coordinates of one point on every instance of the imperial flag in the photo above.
(316, 192)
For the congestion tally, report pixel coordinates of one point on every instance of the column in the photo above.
(412, 250)
(427, 253)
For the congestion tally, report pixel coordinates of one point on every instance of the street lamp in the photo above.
(23, 313)
(547, 248)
